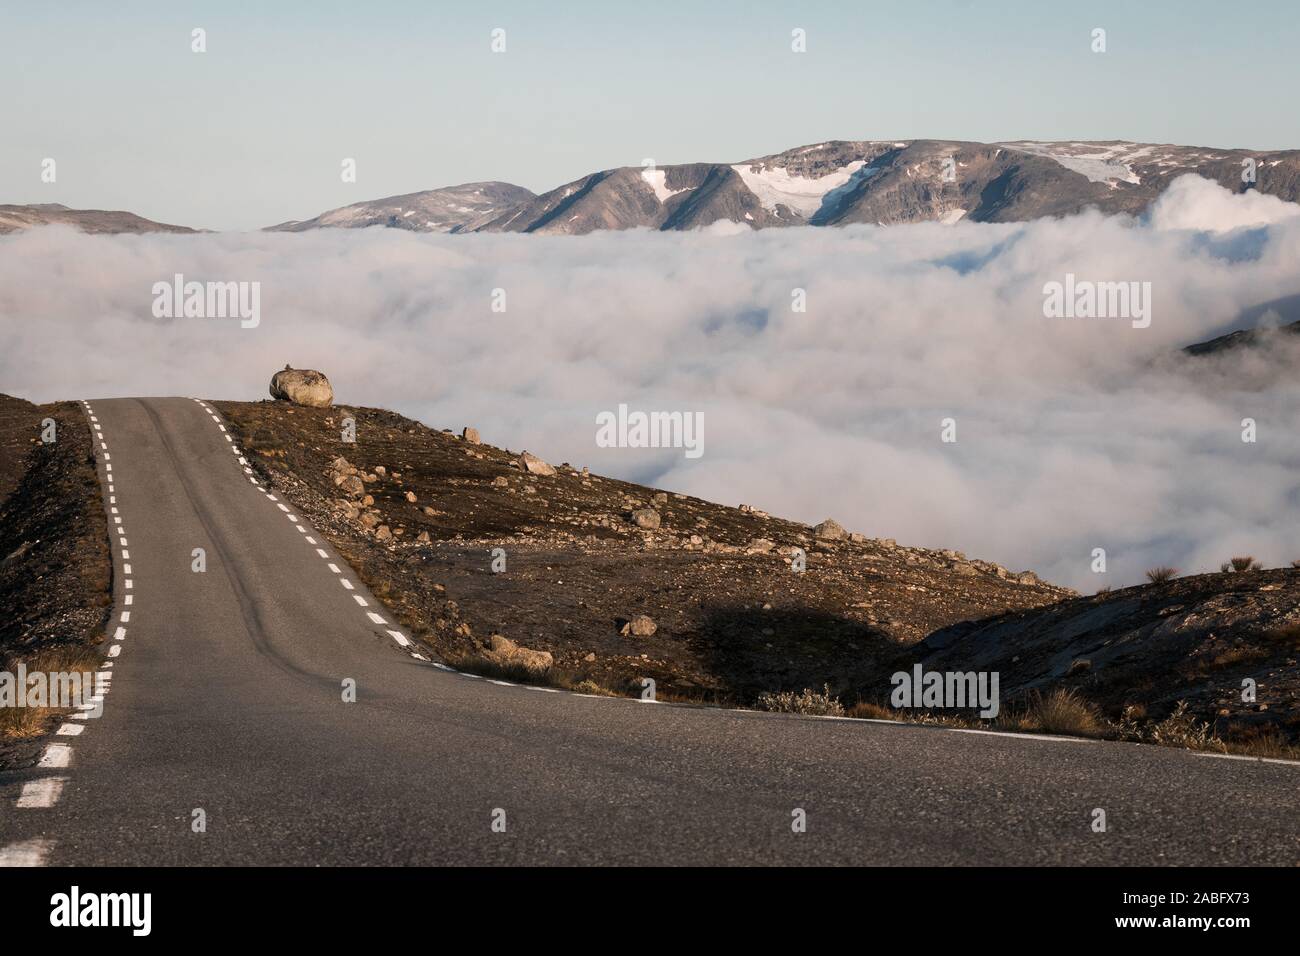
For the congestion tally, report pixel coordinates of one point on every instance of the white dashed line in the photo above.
(375, 617)
(56, 755)
(27, 853)
(41, 793)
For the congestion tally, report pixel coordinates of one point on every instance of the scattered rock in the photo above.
(640, 626)
(382, 533)
(759, 546)
(646, 518)
(350, 485)
(505, 651)
(500, 481)
(302, 386)
(341, 466)
(410, 496)
(470, 435)
(534, 465)
(829, 530)
(422, 538)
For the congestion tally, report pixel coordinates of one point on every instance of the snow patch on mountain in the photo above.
(773, 185)
(657, 180)
(1099, 166)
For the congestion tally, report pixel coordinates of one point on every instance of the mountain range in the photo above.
(825, 184)
(835, 183)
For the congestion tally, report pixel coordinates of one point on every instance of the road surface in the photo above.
(227, 707)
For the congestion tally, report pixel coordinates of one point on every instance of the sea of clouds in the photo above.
(1072, 434)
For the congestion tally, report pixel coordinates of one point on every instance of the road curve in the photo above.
(227, 697)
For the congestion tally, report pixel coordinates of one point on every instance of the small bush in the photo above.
(1161, 575)
(1242, 563)
(1181, 729)
(807, 702)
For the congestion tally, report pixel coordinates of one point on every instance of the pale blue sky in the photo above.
(252, 132)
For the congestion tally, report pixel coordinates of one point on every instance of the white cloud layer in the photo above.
(1072, 434)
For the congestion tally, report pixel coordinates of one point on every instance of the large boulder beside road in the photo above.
(302, 386)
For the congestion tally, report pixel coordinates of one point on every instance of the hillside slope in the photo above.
(14, 218)
(1145, 649)
(732, 618)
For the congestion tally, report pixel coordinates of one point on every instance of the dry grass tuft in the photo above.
(1161, 574)
(866, 710)
(1243, 562)
(20, 723)
(1062, 711)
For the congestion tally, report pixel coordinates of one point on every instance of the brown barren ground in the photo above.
(732, 617)
(55, 567)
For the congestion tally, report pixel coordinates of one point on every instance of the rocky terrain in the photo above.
(613, 580)
(1138, 652)
(13, 218)
(450, 209)
(506, 564)
(55, 569)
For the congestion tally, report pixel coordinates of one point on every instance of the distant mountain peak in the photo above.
(449, 209)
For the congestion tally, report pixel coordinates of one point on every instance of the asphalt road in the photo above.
(227, 696)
